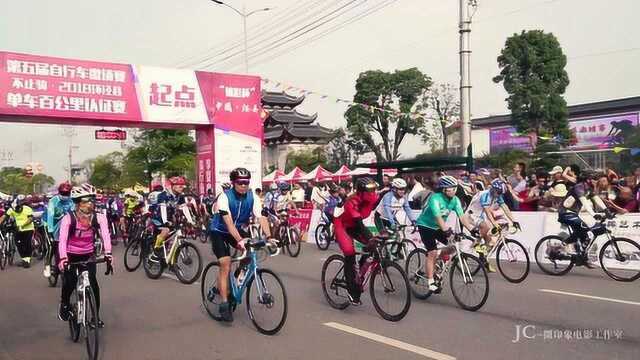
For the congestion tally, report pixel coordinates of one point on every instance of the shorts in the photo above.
(429, 237)
(221, 243)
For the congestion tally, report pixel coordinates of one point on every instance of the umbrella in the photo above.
(318, 174)
(274, 176)
(341, 173)
(372, 172)
(294, 175)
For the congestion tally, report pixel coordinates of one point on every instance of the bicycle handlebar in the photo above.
(255, 246)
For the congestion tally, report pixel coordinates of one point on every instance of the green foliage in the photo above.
(343, 149)
(397, 91)
(442, 109)
(306, 159)
(532, 70)
(106, 171)
(504, 160)
(13, 181)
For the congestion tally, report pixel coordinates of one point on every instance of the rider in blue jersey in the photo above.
(164, 213)
(392, 202)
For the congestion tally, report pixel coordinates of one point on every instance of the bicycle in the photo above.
(262, 285)
(9, 249)
(324, 232)
(288, 235)
(178, 256)
(138, 248)
(38, 239)
(393, 281)
(616, 254)
(398, 247)
(463, 268)
(50, 259)
(512, 258)
(84, 314)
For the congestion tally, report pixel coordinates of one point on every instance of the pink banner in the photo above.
(233, 102)
(53, 87)
(302, 219)
(205, 159)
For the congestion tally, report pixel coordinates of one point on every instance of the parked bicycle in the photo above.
(8, 247)
(467, 275)
(84, 315)
(288, 235)
(180, 256)
(388, 283)
(619, 257)
(265, 290)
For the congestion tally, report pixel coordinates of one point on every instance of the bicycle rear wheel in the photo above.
(390, 292)
(267, 302)
(470, 290)
(415, 270)
(37, 245)
(188, 263)
(133, 255)
(323, 236)
(619, 259)
(293, 245)
(210, 291)
(548, 256)
(334, 285)
(74, 327)
(513, 261)
(91, 330)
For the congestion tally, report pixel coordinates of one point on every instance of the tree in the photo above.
(306, 159)
(106, 171)
(442, 109)
(343, 149)
(382, 131)
(532, 72)
(14, 181)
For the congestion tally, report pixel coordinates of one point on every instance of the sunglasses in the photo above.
(242, 182)
(87, 200)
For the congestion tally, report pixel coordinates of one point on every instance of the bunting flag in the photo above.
(618, 150)
(635, 151)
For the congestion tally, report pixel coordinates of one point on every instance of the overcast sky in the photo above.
(600, 38)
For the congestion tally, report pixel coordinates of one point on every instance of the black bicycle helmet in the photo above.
(239, 173)
(364, 184)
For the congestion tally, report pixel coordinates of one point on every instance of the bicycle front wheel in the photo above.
(323, 237)
(620, 259)
(91, 329)
(293, 245)
(267, 302)
(334, 285)
(415, 270)
(132, 255)
(210, 290)
(188, 263)
(389, 290)
(513, 261)
(470, 290)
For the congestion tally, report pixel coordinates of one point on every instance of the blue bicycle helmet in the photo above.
(283, 186)
(499, 186)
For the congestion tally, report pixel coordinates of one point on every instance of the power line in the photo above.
(329, 31)
(277, 27)
(298, 31)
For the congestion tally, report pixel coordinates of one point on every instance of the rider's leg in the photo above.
(428, 237)
(162, 236)
(220, 245)
(346, 245)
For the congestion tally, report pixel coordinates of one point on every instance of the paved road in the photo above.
(163, 319)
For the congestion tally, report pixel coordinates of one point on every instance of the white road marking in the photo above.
(590, 297)
(178, 280)
(391, 342)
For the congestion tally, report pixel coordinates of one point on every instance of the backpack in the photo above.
(73, 223)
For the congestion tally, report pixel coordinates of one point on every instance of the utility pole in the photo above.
(465, 71)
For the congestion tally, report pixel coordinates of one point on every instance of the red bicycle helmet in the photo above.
(177, 180)
(65, 189)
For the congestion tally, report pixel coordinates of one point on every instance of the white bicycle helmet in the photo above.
(83, 190)
(399, 184)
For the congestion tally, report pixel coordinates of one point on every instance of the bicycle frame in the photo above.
(238, 289)
(83, 284)
(176, 240)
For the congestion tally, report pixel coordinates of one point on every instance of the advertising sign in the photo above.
(601, 132)
(111, 135)
(505, 138)
(237, 150)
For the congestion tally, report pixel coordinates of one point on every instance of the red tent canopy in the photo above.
(372, 172)
(318, 174)
(341, 174)
(274, 176)
(294, 175)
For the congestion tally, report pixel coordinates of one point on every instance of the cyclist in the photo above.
(432, 222)
(582, 196)
(334, 201)
(58, 207)
(234, 209)
(78, 230)
(132, 201)
(349, 226)
(268, 197)
(23, 216)
(392, 202)
(481, 211)
(164, 215)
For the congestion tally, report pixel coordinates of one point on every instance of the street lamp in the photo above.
(244, 16)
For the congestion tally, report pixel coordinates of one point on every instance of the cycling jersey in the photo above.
(22, 218)
(281, 201)
(82, 240)
(170, 202)
(483, 200)
(572, 201)
(390, 205)
(130, 203)
(440, 205)
(240, 207)
(58, 207)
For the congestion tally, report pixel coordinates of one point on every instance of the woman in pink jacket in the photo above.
(77, 232)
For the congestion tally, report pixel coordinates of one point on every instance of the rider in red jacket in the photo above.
(349, 225)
